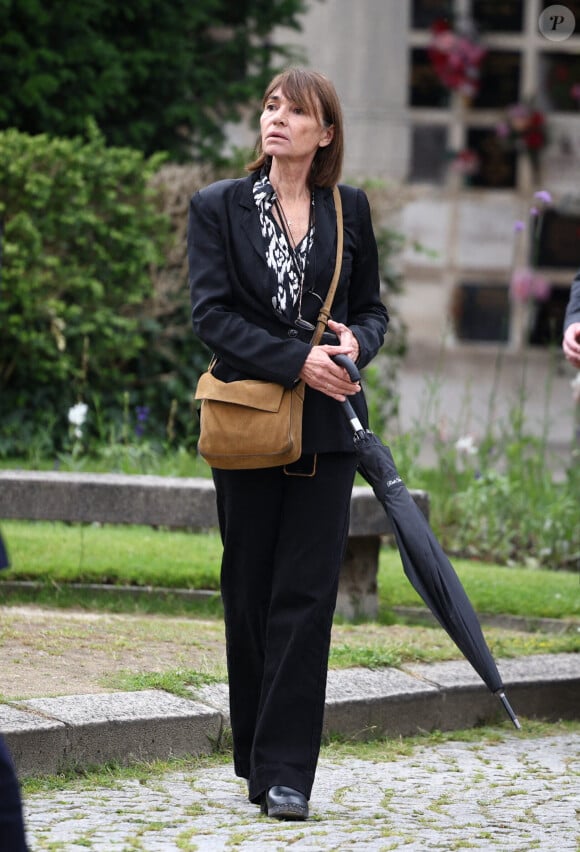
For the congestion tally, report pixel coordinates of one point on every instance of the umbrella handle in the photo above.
(354, 375)
(349, 365)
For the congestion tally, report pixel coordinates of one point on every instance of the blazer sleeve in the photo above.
(573, 308)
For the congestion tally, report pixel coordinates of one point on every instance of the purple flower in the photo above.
(544, 196)
(534, 211)
(142, 412)
(518, 226)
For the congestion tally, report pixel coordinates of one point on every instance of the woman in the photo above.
(261, 256)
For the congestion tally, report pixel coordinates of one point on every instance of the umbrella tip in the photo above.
(509, 710)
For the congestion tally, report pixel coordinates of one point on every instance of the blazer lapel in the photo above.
(250, 221)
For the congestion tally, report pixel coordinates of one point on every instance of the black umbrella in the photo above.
(424, 562)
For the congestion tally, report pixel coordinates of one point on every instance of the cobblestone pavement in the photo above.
(512, 795)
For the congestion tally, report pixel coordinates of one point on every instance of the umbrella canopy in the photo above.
(424, 561)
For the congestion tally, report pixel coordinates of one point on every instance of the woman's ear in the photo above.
(327, 136)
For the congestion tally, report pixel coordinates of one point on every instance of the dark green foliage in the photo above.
(82, 234)
(154, 76)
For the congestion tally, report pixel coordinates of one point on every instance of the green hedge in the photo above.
(82, 233)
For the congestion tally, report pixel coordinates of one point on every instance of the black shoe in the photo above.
(285, 803)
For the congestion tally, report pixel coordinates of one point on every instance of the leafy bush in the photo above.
(82, 234)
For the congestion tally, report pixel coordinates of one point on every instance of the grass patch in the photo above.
(397, 645)
(125, 555)
(114, 600)
(58, 554)
(494, 589)
(118, 458)
(392, 646)
(177, 682)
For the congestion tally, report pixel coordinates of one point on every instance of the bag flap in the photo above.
(253, 393)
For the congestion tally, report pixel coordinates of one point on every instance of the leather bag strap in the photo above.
(324, 314)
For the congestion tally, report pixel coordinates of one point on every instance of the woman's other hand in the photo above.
(571, 344)
(347, 339)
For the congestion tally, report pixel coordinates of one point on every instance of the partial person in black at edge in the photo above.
(12, 834)
(571, 339)
(261, 257)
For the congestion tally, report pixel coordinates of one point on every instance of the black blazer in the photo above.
(231, 295)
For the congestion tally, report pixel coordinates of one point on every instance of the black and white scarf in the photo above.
(279, 253)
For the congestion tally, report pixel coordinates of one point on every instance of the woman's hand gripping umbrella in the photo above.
(424, 562)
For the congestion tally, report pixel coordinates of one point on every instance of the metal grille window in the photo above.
(456, 144)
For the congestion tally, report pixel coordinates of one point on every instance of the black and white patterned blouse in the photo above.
(288, 272)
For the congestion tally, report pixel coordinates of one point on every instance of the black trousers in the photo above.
(284, 538)
(12, 837)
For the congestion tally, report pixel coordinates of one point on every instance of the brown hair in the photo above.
(315, 93)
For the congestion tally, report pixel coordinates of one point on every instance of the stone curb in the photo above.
(48, 735)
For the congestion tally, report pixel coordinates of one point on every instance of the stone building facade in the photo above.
(423, 138)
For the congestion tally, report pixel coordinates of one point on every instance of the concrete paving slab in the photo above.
(369, 684)
(47, 734)
(546, 686)
(453, 674)
(363, 703)
(33, 739)
(214, 695)
(127, 726)
(541, 667)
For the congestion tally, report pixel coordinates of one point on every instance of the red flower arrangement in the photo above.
(456, 58)
(465, 162)
(523, 129)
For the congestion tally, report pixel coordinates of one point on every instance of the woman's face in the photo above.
(290, 131)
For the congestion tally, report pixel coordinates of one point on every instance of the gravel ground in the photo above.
(511, 794)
